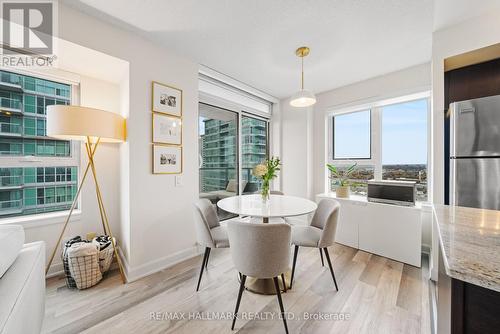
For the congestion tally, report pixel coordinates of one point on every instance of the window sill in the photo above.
(43, 219)
(358, 198)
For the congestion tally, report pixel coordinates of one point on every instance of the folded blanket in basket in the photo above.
(102, 241)
(83, 262)
(70, 282)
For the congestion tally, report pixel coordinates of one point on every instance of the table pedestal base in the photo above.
(265, 286)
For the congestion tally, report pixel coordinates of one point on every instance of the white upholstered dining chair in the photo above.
(319, 234)
(260, 251)
(210, 233)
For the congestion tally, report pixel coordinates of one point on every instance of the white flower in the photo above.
(259, 170)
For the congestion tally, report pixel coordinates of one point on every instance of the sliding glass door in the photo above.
(220, 150)
(218, 155)
(254, 146)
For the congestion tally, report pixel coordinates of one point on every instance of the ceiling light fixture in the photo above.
(304, 97)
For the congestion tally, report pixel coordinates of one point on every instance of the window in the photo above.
(351, 135)
(218, 154)
(31, 186)
(253, 150)
(219, 137)
(387, 140)
(404, 144)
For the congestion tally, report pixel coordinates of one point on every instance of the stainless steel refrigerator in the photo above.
(475, 153)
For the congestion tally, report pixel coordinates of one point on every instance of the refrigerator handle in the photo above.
(453, 107)
(453, 179)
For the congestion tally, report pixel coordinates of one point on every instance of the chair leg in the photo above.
(208, 255)
(277, 287)
(321, 254)
(284, 282)
(331, 267)
(242, 287)
(294, 262)
(205, 259)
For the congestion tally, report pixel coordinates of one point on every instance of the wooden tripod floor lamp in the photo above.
(92, 126)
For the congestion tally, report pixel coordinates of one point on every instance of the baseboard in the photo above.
(426, 249)
(56, 269)
(135, 273)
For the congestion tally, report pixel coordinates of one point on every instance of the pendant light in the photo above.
(303, 98)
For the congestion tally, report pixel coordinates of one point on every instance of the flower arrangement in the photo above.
(267, 171)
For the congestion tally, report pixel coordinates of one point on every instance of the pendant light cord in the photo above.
(302, 72)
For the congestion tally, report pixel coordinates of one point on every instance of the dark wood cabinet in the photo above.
(465, 308)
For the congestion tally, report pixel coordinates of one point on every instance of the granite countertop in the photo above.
(470, 240)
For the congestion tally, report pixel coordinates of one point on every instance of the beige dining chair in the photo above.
(319, 234)
(260, 251)
(210, 233)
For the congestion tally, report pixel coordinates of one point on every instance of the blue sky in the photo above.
(404, 134)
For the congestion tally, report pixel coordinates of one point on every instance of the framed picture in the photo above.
(166, 99)
(167, 159)
(167, 129)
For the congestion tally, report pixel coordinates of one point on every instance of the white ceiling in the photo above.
(450, 12)
(254, 41)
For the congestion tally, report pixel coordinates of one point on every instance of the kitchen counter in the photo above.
(470, 241)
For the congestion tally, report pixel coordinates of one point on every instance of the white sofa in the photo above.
(22, 282)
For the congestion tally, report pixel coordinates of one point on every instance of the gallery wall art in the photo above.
(166, 129)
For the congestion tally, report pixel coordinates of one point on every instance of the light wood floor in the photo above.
(378, 295)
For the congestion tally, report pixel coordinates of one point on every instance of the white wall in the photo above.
(296, 150)
(404, 82)
(151, 216)
(461, 38)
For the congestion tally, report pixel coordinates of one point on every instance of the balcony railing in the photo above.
(11, 79)
(9, 128)
(13, 104)
(216, 178)
(11, 181)
(13, 204)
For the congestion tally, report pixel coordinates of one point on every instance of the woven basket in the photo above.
(85, 269)
(105, 259)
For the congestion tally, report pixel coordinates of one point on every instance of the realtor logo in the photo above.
(27, 27)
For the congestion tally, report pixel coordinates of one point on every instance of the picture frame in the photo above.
(167, 159)
(166, 99)
(166, 129)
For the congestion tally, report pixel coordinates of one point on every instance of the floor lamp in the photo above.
(92, 126)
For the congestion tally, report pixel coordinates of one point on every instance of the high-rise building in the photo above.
(219, 155)
(37, 173)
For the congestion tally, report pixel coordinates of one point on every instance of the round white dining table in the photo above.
(277, 206)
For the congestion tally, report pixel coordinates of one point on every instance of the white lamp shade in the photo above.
(303, 98)
(78, 123)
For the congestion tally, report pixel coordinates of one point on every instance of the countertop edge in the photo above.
(465, 277)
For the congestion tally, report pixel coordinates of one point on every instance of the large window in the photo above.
(351, 135)
(253, 150)
(386, 140)
(37, 173)
(404, 144)
(218, 142)
(225, 166)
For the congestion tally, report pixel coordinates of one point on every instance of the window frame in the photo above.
(376, 153)
(332, 117)
(74, 160)
(240, 110)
